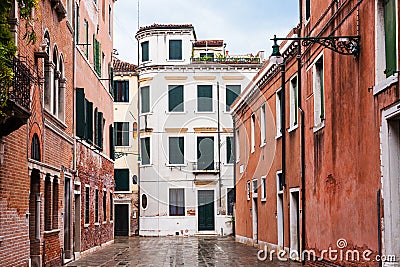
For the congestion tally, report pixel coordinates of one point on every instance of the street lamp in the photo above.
(276, 56)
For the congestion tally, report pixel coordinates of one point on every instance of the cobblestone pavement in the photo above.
(176, 251)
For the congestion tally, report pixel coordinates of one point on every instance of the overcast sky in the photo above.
(245, 25)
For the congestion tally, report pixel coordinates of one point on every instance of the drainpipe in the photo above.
(219, 154)
(138, 129)
(234, 171)
(283, 131)
(302, 137)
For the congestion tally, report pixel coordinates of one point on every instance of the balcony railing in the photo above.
(17, 109)
(226, 60)
(205, 167)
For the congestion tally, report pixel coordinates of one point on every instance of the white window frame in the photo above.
(184, 151)
(253, 133)
(278, 119)
(263, 127)
(294, 103)
(319, 123)
(254, 187)
(212, 99)
(226, 150)
(183, 103)
(184, 202)
(151, 154)
(237, 145)
(227, 199)
(140, 99)
(129, 134)
(263, 188)
(248, 190)
(182, 47)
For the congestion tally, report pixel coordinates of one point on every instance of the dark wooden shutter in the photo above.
(111, 137)
(390, 36)
(80, 112)
(96, 128)
(89, 121)
(100, 129)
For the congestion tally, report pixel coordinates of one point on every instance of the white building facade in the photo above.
(126, 201)
(186, 87)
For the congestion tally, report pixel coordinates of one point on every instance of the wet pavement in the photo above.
(176, 251)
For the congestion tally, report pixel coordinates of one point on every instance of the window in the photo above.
(175, 49)
(87, 205)
(89, 121)
(390, 23)
(308, 9)
(48, 75)
(145, 51)
(104, 205)
(263, 188)
(86, 44)
(253, 133)
(278, 113)
(230, 200)
(263, 128)
(175, 98)
(111, 140)
(96, 206)
(318, 75)
(121, 177)
(145, 99)
(47, 203)
(176, 202)
(111, 207)
(229, 150)
(109, 21)
(121, 133)
(255, 187)
(77, 20)
(121, 91)
(237, 145)
(204, 98)
(248, 190)
(134, 130)
(134, 179)
(281, 181)
(145, 150)
(294, 102)
(55, 203)
(69, 10)
(98, 124)
(205, 153)
(176, 150)
(61, 90)
(35, 148)
(144, 201)
(232, 92)
(206, 56)
(97, 56)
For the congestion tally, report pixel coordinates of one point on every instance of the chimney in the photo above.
(227, 53)
(261, 55)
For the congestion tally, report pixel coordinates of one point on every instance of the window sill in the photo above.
(294, 127)
(278, 136)
(146, 113)
(96, 224)
(383, 85)
(175, 60)
(122, 192)
(104, 222)
(263, 144)
(128, 146)
(175, 165)
(121, 102)
(319, 127)
(58, 122)
(86, 225)
(175, 112)
(252, 151)
(229, 164)
(263, 200)
(204, 112)
(146, 165)
(51, 231)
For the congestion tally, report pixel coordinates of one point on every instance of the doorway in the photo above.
(294, 224)
(121, 224)
(67, 218)
(77, 222)
(206, 221)
(255, 220)
(280, 219)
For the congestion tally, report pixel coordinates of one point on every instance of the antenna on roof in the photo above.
(138, 13)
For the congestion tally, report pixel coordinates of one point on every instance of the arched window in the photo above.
(56, 78)
(61, 89)
(35, 148)
(48, 70)
(144, 201)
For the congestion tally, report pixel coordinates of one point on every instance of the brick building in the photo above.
(126, 200)
(36, 168)
(94, 183)
(348, 110)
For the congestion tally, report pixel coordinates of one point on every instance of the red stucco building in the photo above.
(340, 171)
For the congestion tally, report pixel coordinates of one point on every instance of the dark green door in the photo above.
(206, 210)
(121, 224)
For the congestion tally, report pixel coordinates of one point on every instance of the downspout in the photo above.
(234, 171)
(138, 129)
(283, 131)
(219, 154)
(302, 137)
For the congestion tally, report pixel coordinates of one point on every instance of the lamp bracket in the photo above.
(345, 45)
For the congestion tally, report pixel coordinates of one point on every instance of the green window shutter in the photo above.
(111, 137)
(121, 177)
(99, 56)
(176, 150)
(89, 121)
(204, 98)
(175, 49)
(145, 99)
(77, 19)
(145, 51)
(100, 129)
(80, 112)
(232, 92)
(175, 98)
(96, 128)
(390, 37)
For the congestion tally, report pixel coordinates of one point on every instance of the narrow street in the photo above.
(176, 251)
